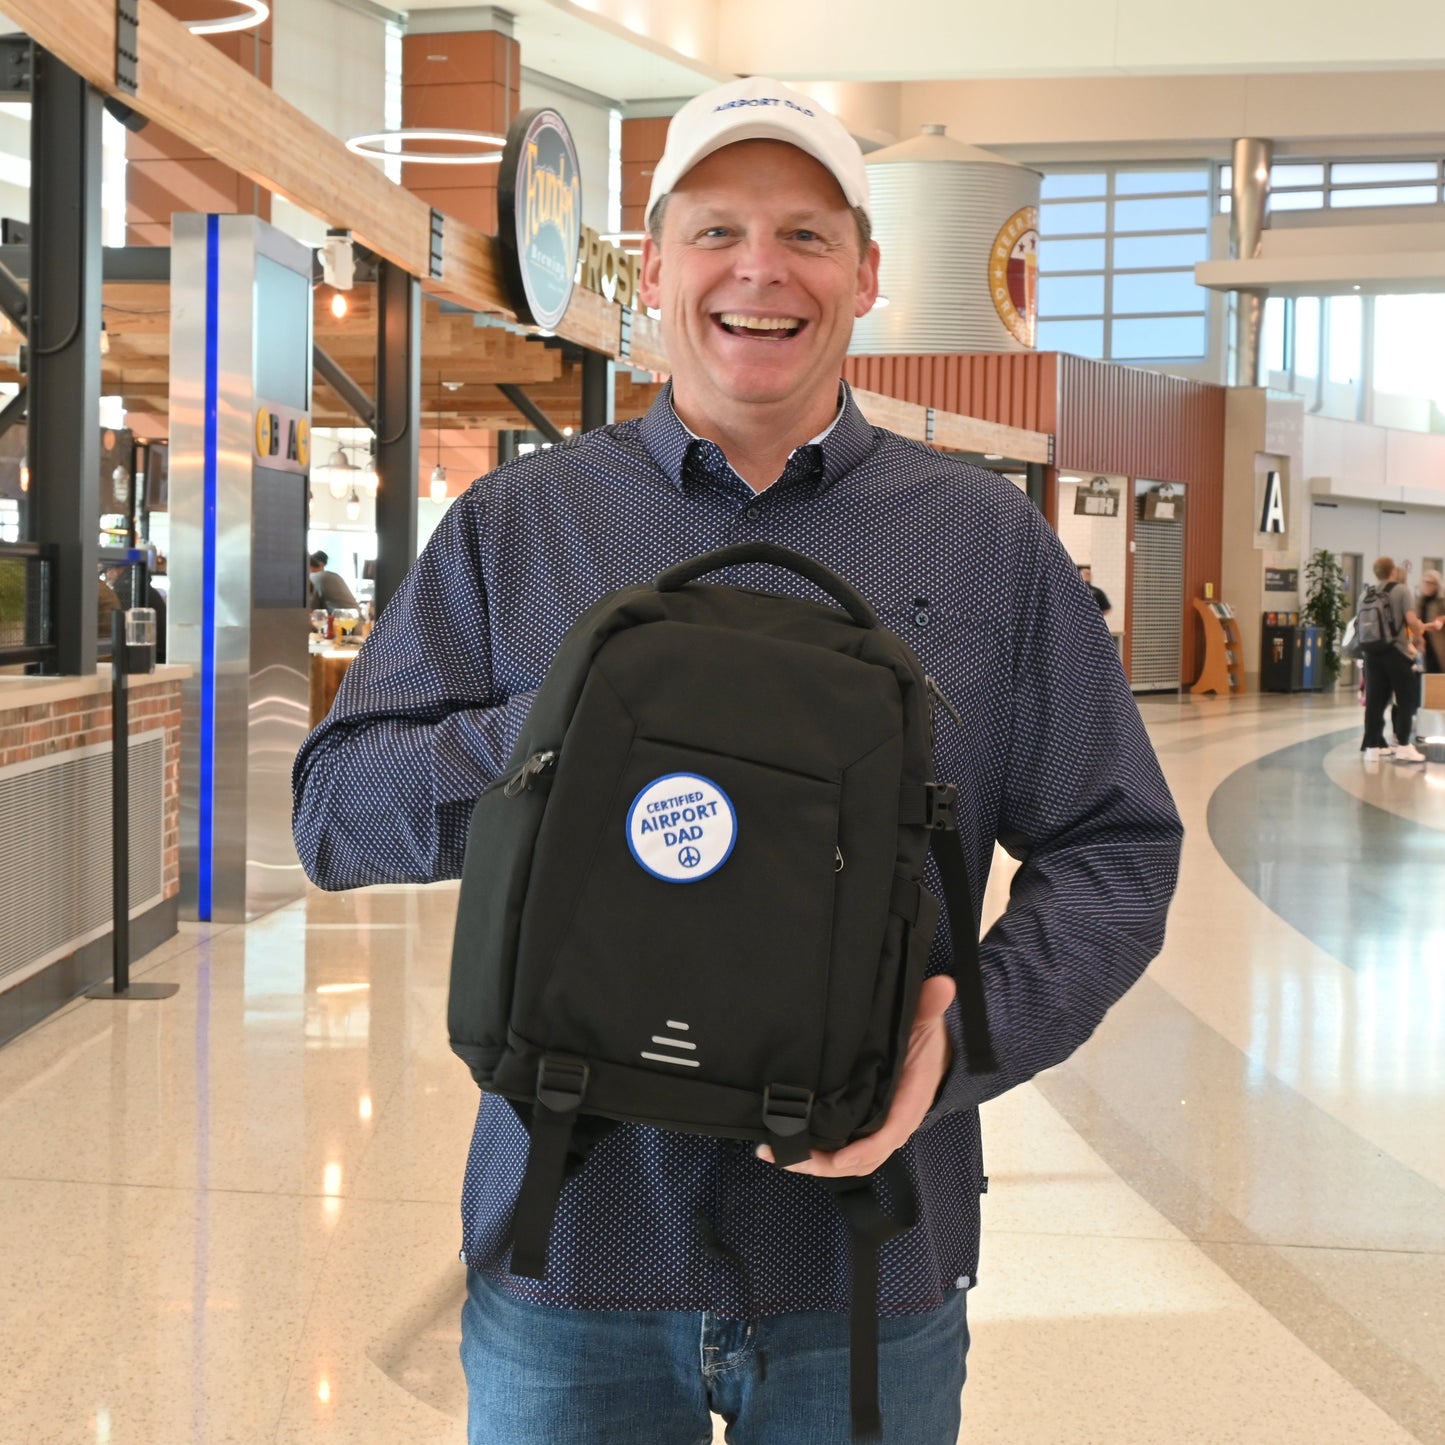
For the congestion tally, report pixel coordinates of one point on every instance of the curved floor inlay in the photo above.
(1358, 880)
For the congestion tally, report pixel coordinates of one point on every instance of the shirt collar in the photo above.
(840, 446)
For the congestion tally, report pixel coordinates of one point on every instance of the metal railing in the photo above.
(27, 632)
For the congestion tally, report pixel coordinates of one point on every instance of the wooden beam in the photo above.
(953, 432)
(904, 417)
(970, 434)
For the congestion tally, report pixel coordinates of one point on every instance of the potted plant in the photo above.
(1326, 606)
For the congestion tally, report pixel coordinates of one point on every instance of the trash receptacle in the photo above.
(1280, 658)
(1312, 663)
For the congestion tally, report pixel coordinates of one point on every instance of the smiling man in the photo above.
(687, 1275)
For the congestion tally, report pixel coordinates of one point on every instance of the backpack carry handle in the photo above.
(843, 593)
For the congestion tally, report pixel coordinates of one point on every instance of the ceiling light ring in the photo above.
(253, 13)
(370, 146)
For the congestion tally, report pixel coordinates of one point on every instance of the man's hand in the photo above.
(930, 1052)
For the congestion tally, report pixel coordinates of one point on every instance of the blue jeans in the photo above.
(539, 1375)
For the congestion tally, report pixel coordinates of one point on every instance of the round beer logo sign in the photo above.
(539, 206)
(681, 827)
(1013, 274)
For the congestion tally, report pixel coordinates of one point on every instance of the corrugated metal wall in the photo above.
(1109, 419)
(1133, 423)
(1014, 388)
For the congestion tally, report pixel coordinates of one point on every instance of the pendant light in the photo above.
(353, 506)
(370, 478)
(439, 472)
(339, 472)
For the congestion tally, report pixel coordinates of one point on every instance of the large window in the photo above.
(1345, 185)
(1117, 251)
(1360, 358)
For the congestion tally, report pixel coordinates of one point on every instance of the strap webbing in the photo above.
(968, 975)
(561, 1085)
(870, 1227)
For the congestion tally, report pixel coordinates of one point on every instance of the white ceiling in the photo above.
(598, 54)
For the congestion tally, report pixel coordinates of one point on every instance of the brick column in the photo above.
(468, 80)
(166, 174)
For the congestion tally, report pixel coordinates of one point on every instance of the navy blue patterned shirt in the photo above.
(1051, 760)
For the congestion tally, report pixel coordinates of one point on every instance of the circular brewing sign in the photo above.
(1013, 274)
(539, 210)
(681, 827)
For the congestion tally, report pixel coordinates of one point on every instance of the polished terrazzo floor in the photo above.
(232, 1216)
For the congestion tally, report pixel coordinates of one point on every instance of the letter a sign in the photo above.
(1271, 518)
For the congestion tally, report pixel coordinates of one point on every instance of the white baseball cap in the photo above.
(758, 109)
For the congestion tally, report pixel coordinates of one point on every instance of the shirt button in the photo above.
(752, 514)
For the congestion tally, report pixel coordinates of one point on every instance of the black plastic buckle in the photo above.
(786, 1109)
(561, 1083)
(939, 809)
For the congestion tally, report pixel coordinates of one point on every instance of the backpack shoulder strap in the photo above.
(561, 1086)
(870, 1227)
(967, 973)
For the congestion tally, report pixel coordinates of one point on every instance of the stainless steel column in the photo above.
(1247, 219)
(240, 442)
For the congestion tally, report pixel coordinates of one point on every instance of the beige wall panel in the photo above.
(927, 38)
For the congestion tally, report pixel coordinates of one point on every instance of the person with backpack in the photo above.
(686, 1273)
(1389, 634)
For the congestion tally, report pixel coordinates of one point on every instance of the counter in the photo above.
(328, 666)
(55, 832)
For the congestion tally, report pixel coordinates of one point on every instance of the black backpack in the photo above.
(746, 777)
(1375, 630)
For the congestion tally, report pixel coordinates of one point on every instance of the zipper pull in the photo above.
(521, 780)
(937, 694)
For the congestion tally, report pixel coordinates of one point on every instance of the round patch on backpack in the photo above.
(681, 827)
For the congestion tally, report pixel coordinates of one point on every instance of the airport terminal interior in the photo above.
(1177, 273)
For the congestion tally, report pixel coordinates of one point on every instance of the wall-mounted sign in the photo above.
(539, 210)
(1098, 499)
(1013, 274)
(1271, 516)
(608, 270)
(283, 438)
(1281, 579)
(1164, 504)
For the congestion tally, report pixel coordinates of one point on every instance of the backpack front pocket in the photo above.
(688, 928)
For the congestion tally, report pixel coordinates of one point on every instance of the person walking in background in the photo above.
(1390, 671)
(1086, 572)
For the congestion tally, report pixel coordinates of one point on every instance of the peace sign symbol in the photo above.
(689, 857)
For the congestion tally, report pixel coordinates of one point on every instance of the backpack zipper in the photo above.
(521, 780)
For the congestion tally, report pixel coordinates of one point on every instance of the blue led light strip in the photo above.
(206, 821)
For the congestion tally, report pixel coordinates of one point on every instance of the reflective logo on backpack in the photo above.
(681, 827)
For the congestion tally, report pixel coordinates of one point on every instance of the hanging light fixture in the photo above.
(339, 473)
(353, 506)
(370, 478)
(439, 472)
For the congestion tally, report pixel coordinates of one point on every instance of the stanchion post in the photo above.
(132, 649)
